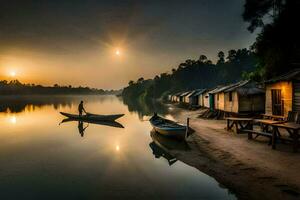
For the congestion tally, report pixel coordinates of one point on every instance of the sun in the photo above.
(118, 52)
(12, 73)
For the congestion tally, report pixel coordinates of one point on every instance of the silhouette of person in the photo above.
(81, 108)
(80, 128)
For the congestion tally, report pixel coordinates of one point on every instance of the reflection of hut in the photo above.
(195, 97)
(283, 94)
(244, 97)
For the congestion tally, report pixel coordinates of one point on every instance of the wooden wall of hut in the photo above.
(251, 104)
(219, 101)
(200, 100)
(286, 96)
(205, 99)
(231, 105)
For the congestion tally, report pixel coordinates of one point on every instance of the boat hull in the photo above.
(168, 128)
(93, 117)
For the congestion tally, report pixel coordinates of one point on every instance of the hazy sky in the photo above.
(75, 41)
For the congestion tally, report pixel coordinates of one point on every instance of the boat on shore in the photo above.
(169, 128)
(93, 117)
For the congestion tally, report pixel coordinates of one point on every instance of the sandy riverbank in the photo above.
(249, 168)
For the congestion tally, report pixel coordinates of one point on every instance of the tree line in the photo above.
(15, 87)
(275, 51)
(194, 74)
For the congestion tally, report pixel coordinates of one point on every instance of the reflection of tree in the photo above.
(17, 104)
(145, 108)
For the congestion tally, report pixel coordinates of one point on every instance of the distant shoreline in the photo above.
(17, 88)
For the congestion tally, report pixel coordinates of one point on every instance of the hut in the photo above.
(195, 97)
(175, 97)
(205, 99)
(283, 94)
(187, 97)
(182, 96)
(217, 96)
(244, 97)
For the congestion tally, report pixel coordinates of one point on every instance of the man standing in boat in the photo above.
(81, 108)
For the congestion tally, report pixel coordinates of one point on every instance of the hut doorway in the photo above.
(277, 102)
(211, 102)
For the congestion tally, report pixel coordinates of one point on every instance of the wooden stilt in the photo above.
(187, 127)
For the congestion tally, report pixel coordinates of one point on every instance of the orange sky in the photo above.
(66, 42)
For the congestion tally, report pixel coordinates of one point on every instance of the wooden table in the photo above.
(293, 130)
(266, 123)
(239, 123)
(273, 117)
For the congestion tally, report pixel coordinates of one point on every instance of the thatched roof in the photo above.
(185, 93)
(226, 87)
(245, 88)
(177, 94)
(292, 75)
(197, 92)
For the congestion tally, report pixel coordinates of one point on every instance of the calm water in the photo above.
(40, 159)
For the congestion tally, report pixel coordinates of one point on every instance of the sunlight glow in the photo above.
(117, 148)
(13, 120)
(12, 73)
(118, 52)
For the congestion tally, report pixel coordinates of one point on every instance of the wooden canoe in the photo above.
(168, 128)
(94, 117)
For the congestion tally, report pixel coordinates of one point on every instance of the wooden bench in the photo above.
(239, 123)
(273, 117)
(258, 133)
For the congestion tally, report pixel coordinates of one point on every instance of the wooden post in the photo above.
(187, 127)
(274, 133)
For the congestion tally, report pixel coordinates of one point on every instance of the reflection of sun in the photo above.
(13, 120)
(117, 148)
(117, 52)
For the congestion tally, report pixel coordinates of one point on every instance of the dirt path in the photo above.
(249, 168)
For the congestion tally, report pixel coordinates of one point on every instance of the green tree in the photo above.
(277, 46)
(130, 83)
(231, 55)
(202, 58)
(221, 57)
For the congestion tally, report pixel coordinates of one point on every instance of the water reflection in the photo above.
(116, 164)
(169, 143)
(161, 147)
(160, 152)
(146, 108)
(82, 127)
(17, 104)
(13, 120)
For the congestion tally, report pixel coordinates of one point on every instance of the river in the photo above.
(42, 158)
